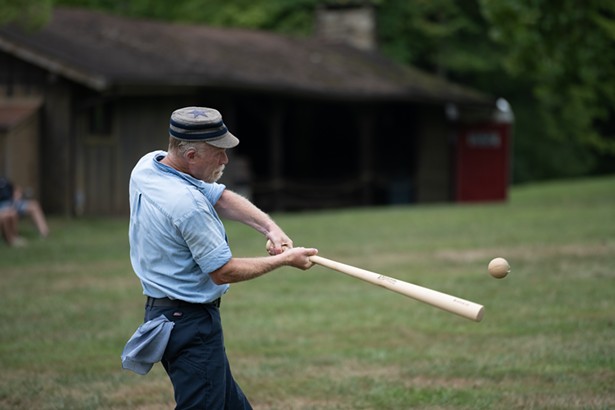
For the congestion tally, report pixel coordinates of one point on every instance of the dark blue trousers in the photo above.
(195, 359)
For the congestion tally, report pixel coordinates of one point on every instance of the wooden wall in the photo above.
(434, 167)
(19, 145)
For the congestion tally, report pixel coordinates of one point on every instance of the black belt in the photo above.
(166, 302)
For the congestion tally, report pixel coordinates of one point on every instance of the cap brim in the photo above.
(228, 140)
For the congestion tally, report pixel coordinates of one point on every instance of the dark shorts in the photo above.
(21, 206)
(195, 359)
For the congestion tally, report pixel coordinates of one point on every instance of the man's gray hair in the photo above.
(181, 147)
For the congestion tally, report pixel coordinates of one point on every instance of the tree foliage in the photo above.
(567, 49)
(29, 13)
(444, 36)
(553, 60)
(288, 16)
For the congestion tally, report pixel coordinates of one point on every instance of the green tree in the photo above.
(444, 36)
(287, 16)
(29, 13)
(551, 59)
(567, 50)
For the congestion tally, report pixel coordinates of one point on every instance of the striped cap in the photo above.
(201, 124)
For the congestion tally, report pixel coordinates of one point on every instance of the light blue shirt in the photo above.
(176, 237)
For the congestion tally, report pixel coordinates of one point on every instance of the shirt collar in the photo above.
(159, 156)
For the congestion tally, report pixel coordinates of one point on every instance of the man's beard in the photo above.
(217, 174)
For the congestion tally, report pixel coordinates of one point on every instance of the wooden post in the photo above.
(277, 156)
(366, 154)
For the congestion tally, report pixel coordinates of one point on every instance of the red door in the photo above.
(482, 163)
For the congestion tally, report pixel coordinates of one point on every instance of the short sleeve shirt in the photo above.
(176, 237)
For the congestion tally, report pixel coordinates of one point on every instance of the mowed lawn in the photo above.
(323, 340)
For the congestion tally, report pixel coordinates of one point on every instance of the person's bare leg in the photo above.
(36, 213)
(9, 221)
(5, 228)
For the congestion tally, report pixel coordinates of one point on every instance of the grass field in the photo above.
(322, 340)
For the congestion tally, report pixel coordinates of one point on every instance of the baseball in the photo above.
(499, 268)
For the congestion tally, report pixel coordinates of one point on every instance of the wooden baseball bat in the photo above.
(452, 304)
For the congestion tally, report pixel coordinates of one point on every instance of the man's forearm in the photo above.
(242, 269)
(237, 208)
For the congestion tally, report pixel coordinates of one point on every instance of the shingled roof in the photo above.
(107, 52)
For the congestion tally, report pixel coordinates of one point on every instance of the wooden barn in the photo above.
(321, 123)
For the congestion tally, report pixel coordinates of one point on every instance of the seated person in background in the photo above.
(8, 227)
(11, 197)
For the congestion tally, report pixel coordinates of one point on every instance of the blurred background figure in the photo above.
(12, 198)
(8, 227)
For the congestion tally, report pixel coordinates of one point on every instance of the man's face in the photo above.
(208, 163)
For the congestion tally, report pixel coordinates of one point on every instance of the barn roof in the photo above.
(107, 52)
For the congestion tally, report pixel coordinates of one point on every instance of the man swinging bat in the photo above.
(179, 251)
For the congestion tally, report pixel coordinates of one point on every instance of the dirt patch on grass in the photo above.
(528, 253)
(420, 260)
(152, 392)
(300, 403)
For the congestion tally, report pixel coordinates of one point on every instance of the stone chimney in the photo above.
(347, 22)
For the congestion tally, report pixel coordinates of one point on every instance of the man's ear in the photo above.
(190, 154)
